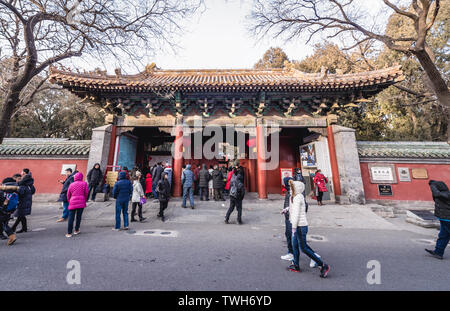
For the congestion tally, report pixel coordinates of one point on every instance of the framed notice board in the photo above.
(385, 190)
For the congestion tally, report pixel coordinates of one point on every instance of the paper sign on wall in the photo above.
(66, 166)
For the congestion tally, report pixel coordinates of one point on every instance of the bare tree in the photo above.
(334, 18)
(34, 34)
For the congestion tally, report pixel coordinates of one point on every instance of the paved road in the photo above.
(200, 252)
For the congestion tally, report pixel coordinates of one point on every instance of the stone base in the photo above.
(422, 218)
(101, 197)
(343, 200)
(383, 211)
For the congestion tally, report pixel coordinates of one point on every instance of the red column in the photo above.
(177, 161)
(112, 145)
(261, 162)
(333, 160)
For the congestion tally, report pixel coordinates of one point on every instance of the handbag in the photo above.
(143, 200)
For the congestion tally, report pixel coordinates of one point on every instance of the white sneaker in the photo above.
(312, 263)
(288, 257)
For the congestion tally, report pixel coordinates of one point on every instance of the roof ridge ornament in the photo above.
(150, 69)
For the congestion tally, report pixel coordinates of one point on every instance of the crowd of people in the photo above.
(16, 196)
(16, 199)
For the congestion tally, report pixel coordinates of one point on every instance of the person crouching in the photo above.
(77, 195)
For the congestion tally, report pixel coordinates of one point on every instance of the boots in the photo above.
(12, 239)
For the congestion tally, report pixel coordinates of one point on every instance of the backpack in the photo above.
(13, 202)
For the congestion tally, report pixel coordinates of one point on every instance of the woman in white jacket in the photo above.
(299, 223)
(138, 193)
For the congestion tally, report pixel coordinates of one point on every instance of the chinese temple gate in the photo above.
(144, 109)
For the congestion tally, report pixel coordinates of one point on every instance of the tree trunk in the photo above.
(9, 103)
(438, 83)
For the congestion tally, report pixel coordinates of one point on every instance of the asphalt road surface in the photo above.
(195, 251)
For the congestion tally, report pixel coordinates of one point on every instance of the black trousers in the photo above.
(218, 195)
(162, 207)
(4, 225)
(320, 196)
(23, 221)
(74, 214)
(204, 193)
(133, 210)
(235, 203)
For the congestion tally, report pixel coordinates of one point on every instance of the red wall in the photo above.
(416, 190)
(46, 173)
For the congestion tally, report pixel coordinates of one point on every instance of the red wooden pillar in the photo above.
(112, 145)
(333, 160)
(177, 161)
(261, 162)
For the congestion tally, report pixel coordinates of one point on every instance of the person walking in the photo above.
(287, 223)
(217, 178)
(168, 171)
(77, 195)
(63, 195)
(187, 180)
(300, 230)
(122, 192)
(148, 185)
(228, 181)
(94, 178)
(26, 191)
(320, 181)
(237, 193)
(204, 179)
(441, 197)
(138, 194)
(163, 189)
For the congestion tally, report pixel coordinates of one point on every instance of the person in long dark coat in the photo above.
(163, 189)
(26, 191)
(156, 177)
(94, 178)
(441, 197)
(204, 178)
(218, 184)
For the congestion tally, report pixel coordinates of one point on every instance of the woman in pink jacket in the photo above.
(76, 195)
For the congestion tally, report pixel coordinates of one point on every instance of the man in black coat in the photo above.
(94, 178)
(63, 195)
(156, 177)
(217, 178)
(204, 178)
(26, 191)
(237, 192)
(441, 197)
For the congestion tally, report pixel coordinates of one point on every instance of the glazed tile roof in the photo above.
(44, 147)
(247, 79)
(411, 150)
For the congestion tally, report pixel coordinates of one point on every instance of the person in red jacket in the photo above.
(77, 195)
(320, 181)
(229, 175)
(148, 185)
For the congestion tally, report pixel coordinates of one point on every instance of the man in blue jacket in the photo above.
(122, 192)
(187, 180)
